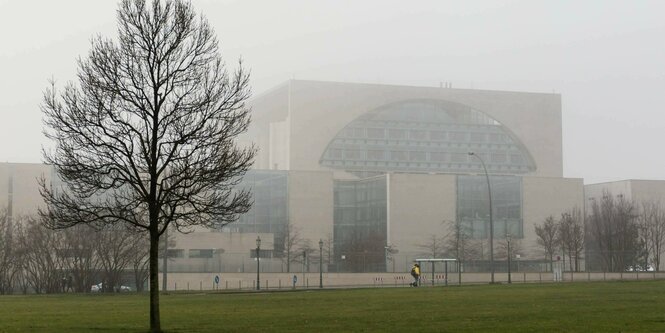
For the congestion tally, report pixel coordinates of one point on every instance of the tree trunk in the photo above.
(155, 326)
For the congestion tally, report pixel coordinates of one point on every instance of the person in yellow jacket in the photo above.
(415, 272)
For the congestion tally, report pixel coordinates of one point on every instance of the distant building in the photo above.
(370, 169)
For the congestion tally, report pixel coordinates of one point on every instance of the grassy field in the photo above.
(569, 307)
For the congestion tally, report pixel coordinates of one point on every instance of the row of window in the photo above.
(400, 155)
(423, 135)
(193, 253)
(208, 253)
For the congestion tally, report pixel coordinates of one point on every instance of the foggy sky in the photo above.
(606, 59)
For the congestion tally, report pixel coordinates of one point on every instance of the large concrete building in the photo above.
(369, 169)
(374, 166)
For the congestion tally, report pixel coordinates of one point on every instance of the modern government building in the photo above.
(378, 174)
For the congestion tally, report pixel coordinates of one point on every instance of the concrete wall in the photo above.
(543, 197)
(311, 204)
(595, 191)
(418, 205)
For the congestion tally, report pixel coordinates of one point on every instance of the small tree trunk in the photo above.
(155, 326)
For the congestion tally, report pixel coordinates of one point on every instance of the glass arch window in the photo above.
(426, 136)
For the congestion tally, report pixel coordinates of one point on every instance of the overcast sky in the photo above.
(606, 59)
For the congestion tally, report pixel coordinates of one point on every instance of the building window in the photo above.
(352, 154)
(498, 158)
(458, 157)
(396, 134)
(262, 253)
(175, 253)
(478, 137)
(417, 135)
(376, 155)
(437, 157)
(354, 132)
(375, 133)
(398, 155)
(335, 153)
(200, 253)
(438, 135)
(458, 136)
(417, 156)
(473, 205)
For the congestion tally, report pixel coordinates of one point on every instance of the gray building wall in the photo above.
(418, 205)
(543, 197)
(311, 204)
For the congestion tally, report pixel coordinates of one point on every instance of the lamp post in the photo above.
(509, 254)
(489, 190)
(258, 263)
(320, 263)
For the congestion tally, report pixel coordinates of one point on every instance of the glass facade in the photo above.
(473, 205)
(360, 224)
(269, 213)
(425, 136)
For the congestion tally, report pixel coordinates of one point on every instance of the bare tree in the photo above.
(502, 248)
(548, 237)
(115, 250)
(147, 135)
(8, 259)
(291, 241)
(651, 222)
(571, 236)
(79, 247)
(458, 242)
(139, 260)
(42, 258)
(613, 231)
(434, 246)
(391, 251)
(328, 248)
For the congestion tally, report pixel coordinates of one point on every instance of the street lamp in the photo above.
(320, 263)
(509, 254)
(489, 190)
(258, 263)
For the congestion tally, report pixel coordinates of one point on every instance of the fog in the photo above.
(605, 58)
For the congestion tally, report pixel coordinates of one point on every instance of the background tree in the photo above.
(80, 246)
(515, 248)
(139, 261)
(115, 251)
(651, 222)
(434, 246)
(291, 242)
(8, 259)
(42, 257)
(548, 237)
(146, 135)
(613, 231)
(458, 243)
(571, 236)
(328, 248)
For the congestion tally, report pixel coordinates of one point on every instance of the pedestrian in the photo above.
(415, 272)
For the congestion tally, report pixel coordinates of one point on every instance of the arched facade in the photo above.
(425, 135)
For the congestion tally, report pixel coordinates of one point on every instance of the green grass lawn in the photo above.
(570, 307)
